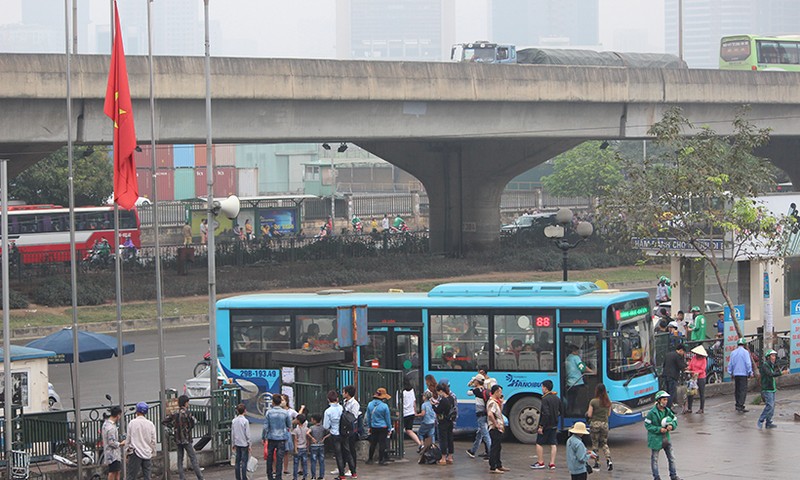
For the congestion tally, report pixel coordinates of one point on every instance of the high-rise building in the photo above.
(545, 22)
(395, 29)
(705, 22)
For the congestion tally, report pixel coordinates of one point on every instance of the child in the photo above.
(426, 430)
(300, 434)
(577, 456)
(316, 438)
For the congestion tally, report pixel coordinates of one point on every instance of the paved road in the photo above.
(719, 444)
(183, 348)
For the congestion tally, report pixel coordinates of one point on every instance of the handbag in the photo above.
(252, 464)
(589, 469)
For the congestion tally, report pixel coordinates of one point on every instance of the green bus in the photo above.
(754, 52)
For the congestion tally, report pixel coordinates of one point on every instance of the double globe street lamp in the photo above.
(563, 230)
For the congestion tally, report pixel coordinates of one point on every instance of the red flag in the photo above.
(119, 108)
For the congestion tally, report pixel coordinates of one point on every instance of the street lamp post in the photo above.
(558, 234)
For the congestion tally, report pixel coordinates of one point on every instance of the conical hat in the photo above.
(700, 350)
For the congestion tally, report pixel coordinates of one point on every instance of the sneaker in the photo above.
(759, 424)
(420, 447)
(470, 454)
(496, 471)
(770, 425)
(354, 476)
(505, 469)
(610, 466)
(552, 466)
(701, 411)
(538, 466)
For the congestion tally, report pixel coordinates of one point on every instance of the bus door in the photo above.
(395, 348)
(581, 368)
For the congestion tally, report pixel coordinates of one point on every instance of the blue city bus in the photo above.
(523, 332)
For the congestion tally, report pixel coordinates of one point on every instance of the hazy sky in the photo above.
(306, 28)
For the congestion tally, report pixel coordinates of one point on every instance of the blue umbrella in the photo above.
(91, 346)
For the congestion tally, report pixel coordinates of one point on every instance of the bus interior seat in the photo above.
(546, 361)
(528, 361)
(506, 361)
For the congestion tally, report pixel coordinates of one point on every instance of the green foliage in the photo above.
(584, 171)
(56, 292)
(16, 300)
(47, 180)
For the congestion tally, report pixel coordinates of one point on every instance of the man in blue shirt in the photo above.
(740, 368)
(330, 422)
(277, 424)
(576, 369)
(379, 420)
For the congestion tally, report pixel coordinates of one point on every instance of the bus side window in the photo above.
(457, 341)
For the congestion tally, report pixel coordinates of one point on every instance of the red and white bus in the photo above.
(41, 232)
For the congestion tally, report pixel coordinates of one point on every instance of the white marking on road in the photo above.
(156, 358)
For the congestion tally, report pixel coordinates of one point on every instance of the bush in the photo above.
(16, 300)
(56, 292)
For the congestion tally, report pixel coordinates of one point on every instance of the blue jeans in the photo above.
(482, 435)
(276, 449)
(242, 456)
(317, 456)
(670, 461)
(769, 408)
(301, 457)
(427, 430)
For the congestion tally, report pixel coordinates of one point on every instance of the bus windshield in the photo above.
(630, 349)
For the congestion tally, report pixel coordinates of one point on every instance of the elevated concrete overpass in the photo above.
(464, 130)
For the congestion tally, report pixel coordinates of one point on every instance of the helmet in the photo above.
(695, 309)
(742, 341)
(142, 408)
(770, 352)
(663, 279)
(672, 324)
(661, 394)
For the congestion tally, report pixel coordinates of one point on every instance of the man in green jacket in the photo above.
(699, 326)
(769, 370)
(659, 422)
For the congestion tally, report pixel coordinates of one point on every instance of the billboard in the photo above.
(286, 219)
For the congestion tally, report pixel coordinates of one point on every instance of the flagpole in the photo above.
(211, 243)
(159, 310)
(7, 433)
(118, 287)
(73, 264)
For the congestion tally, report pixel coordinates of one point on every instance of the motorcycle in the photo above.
(403, 228)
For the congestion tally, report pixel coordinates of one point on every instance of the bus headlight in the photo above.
(620, 409)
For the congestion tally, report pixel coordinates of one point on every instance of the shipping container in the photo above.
(200, 154)
(144, 176)
(164, 156)
(184, 156)
(224, 182)
(225, 155)
(165, 181)
(184, 183)
(248, 182)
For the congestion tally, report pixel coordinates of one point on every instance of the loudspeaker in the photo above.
(228, 207)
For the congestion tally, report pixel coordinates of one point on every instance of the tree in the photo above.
(46, 182)
(699, 188)
(585, 171)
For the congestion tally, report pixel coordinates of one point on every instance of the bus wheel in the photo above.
(524, 419)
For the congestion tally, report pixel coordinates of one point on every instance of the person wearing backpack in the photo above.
(379, 421)
(350, 433)
(182, 423)
(446, 414)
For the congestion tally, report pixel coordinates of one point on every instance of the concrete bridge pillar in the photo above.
(465, 180)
